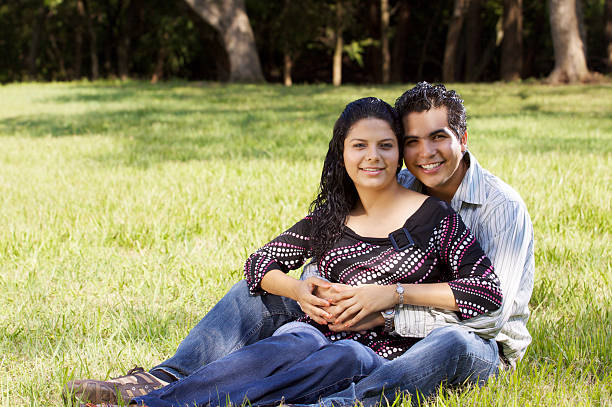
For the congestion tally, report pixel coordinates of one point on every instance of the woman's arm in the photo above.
(473, 287)
(278, 283)
(265, 270)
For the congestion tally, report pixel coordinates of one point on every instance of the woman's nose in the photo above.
(372, 154)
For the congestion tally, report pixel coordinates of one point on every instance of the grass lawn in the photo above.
(127, 211)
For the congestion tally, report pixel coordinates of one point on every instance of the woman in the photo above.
(368, 231)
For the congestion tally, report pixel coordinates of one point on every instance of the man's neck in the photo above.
(447, 191)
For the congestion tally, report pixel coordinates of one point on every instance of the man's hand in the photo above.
(311, 304)
(368, 322)
(355, 303)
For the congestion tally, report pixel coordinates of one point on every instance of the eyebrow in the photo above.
(362, 139)
(442, 130)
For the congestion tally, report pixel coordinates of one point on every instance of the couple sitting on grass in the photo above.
(400, 297)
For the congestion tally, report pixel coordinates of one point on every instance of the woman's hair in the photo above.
(337, 193)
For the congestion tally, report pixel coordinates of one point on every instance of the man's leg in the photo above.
(298, 364)
(449, 356)
(238, 319)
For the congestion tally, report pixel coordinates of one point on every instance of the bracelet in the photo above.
(400, 292)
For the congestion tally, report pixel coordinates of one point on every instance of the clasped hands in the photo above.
(343, 307)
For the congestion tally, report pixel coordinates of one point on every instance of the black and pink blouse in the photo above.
(433, 246)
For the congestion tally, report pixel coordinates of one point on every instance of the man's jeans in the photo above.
(298, 363)
(447, 355)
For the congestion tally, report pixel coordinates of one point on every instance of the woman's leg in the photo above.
(299, 364)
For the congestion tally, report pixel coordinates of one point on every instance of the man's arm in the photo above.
(507, 238)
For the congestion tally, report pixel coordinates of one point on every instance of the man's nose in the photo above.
(426, 149)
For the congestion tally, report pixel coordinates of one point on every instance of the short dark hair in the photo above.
(337, 194)
(424, 96)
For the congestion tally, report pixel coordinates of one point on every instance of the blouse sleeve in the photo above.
(288, 251)
(473, 281)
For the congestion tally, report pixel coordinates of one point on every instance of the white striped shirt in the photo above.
(497, 216)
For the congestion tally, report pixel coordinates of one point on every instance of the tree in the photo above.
(384, 40)
(473, 37)
(230, 19)
(569, 49)
(609, 35)
(452, 40)
(338, 41)
(512, 44)
(401, 43)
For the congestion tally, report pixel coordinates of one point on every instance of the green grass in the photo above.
(127, 211)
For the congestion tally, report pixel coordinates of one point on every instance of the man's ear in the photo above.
(464, 142)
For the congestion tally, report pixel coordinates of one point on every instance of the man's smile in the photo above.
(431, 166)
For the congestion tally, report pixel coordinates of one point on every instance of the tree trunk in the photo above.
(570, 60)
(609, 34)
(512, 44)
(337, 62)
(473, 37)
(401, 41)
(39, 24)
(129, 12)
(229, 18)
(158, 72)
(384, 40)
(93, 42)
(78, 40)
(452, 40)
(287, 66)
(423, 56)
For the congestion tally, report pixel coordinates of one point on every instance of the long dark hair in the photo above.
(337, 194)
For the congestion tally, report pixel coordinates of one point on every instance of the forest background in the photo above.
(313, 41)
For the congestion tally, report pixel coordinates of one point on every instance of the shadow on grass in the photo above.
(180, 121)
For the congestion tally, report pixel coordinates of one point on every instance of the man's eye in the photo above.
(438, 136)
(410, 142)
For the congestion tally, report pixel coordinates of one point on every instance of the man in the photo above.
(451, 352)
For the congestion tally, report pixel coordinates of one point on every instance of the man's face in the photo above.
(432, 152)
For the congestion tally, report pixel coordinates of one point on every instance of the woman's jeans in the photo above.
(447, 355)
(298, 363)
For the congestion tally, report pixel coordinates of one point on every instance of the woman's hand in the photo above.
(368, 322)
(311, 304)
(354, 304)
(279, 283)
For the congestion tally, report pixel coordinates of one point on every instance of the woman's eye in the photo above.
(386, 145)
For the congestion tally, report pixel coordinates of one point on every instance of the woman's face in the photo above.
(371, 154)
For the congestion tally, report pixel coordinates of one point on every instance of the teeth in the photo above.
(372, 169)
(430, 166)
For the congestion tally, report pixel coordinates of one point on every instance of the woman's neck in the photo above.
(377, 202)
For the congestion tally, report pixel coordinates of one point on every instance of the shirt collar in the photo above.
(472, 189)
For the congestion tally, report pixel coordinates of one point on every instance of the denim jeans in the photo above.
(298, 363)
(447, 355)
(237, 320)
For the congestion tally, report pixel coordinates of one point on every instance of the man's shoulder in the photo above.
(497, 192)
(502, 206)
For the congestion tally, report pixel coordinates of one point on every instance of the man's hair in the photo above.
(425, 96)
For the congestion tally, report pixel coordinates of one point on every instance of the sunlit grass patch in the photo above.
(127, 211)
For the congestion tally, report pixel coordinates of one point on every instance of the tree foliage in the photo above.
(160, 39)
